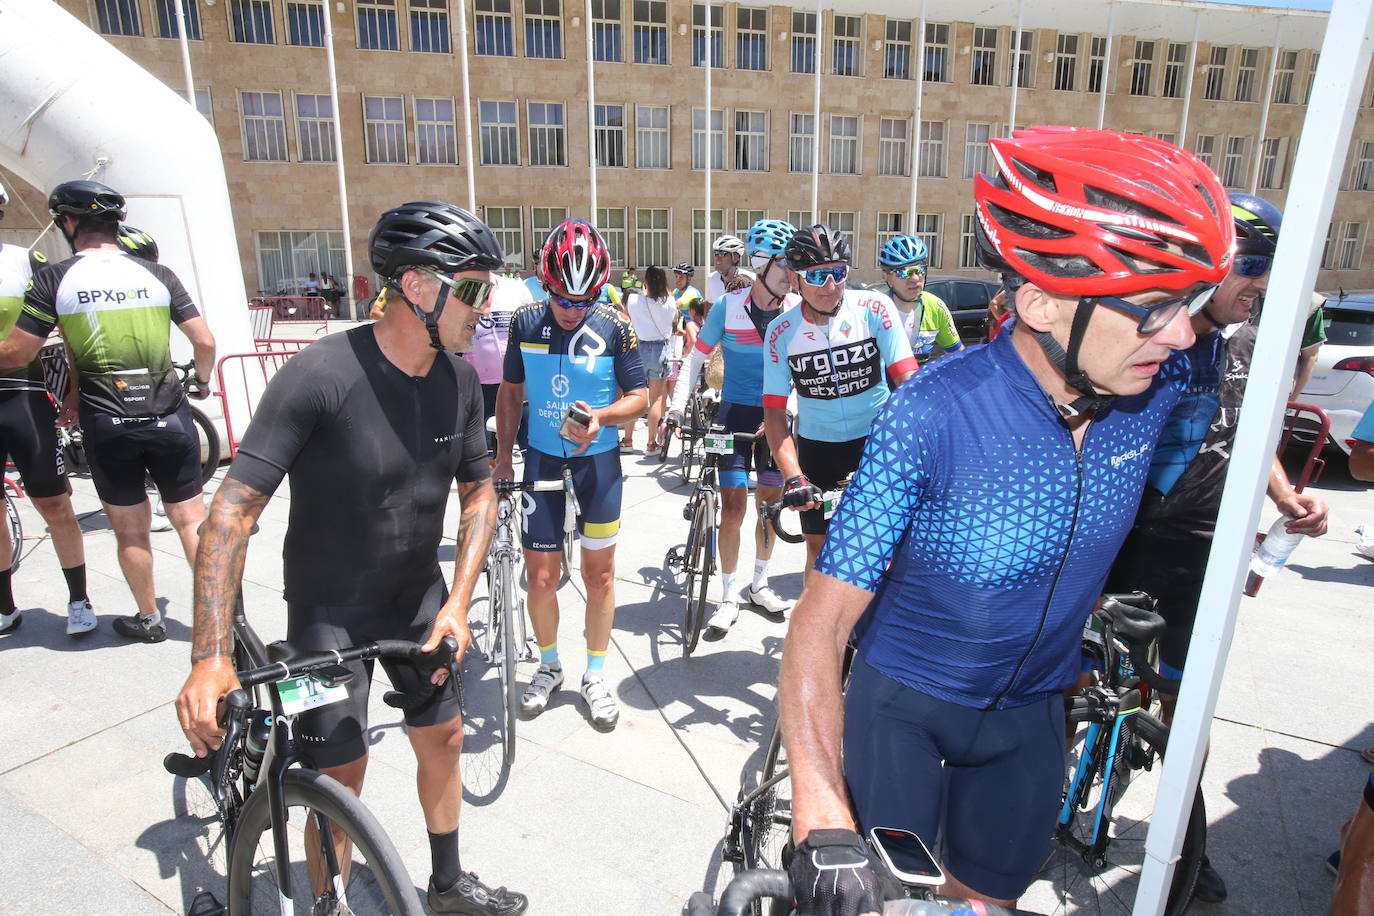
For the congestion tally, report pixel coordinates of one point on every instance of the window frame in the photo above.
(323, 127)
(559, 130)
(266, 119)
(508, 131)
(372, 132)
(452, 125)
(382, 12)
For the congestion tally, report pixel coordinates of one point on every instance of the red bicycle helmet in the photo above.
(575, 260)
(1099, 212)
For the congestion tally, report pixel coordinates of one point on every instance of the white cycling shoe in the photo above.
(723, 618)
(769, 600)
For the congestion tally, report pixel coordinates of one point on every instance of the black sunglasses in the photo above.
(1154, 318)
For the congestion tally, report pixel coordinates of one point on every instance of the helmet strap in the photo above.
(1067, 362)
(777, 296)
(430, 318)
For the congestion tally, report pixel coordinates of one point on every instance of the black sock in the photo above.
(76, 583)
(6, 593)
(443, 855)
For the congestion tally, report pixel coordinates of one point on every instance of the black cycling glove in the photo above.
(800, 492)
(832, 876)
(197, 389)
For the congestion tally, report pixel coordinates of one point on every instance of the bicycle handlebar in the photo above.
(532, 486)
(1134, 621)
(403, 649)
(759, 883)
(772, 518)
(193, 386)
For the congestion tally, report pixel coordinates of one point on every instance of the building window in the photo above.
(847, 221)
(1362, 175)
(251, 22)
(1173, 70)
(717, 138)
(305, 23)
(932, 152)
(1328, 260)
(548, 134)
(284, 257)
(1205, 147)
(203, 104)
(1271, 163)
(610, 222)
(651, 31)
(937, 52)
(702, 236)
(847, 37)
(264, 127)
(984, 70)
(1021, 62)
(1167, 136)
(927, 229)
(844, 144)
(751, 141)
(499, 132)
(118, 17)
(890, 225)
(1352, 246)
(377, 29)
(651, 137)
(506, 226)
(495, 28)
(606, 44)
(315, 128)
(429, 26)
(893, 150)
(1065, 62)
(1097, 63)
(1311, 77)
(542, 221)
(800, 218)
(651, 236)
(1283, 77)
(897, 50)
(543, 29)
(1215, 87)
(968, 243)
(801, 134)
(1245, 74)
(751, 38)
(745, 219)
(1233, 165)
(436, 132)
(1142, 67)
(976, 137)
(700, 38)
(803, 42)
(167, 19)
(610, 136)
(384, 129)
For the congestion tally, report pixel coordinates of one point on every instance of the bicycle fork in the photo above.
(1096, 759)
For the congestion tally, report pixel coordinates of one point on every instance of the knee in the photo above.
(542, 577)
(55, 510)
(598, 580)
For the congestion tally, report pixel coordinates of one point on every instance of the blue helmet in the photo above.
(901, 250)
(768, 237)
(1257, 224)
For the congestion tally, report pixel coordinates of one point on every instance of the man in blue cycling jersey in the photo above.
(569, 350)
(995, 488)
(838, 348)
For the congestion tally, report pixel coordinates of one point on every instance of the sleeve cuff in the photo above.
(775, 400)
(906, 365)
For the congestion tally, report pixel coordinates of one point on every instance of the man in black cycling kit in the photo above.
(372, 426)
(28, 437)
(995, 488)
(115, 312)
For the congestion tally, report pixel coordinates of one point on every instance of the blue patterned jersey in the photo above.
(593, 362)
(998, 531)
(728, 324)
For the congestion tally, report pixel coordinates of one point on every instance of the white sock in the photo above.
(154, 619)
(727, 587)
(760, 575)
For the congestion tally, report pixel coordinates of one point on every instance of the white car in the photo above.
(1342, 382)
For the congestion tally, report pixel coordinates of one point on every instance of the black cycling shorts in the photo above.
(1170, 570)
(826, 464)
(124, 451)
(28, 437)
(337, 734)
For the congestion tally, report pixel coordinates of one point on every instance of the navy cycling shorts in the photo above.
(734, 469)
(596, 480)
(986, 780)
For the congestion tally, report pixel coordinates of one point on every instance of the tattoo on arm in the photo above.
(476, 524)
(219, 566)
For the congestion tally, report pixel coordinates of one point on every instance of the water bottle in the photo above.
(1271, 553)
(255, 744)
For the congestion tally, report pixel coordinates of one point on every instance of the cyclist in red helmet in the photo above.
(973, 541)
(573, 359)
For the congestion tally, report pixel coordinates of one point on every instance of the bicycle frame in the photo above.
(506, 546)
(1094, 760)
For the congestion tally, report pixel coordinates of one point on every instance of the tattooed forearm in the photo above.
(475, 526)
(219, 566)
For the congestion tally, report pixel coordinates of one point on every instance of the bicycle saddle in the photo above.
(1132, 617)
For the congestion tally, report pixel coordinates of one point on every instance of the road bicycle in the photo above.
(773, 514)
(14, 491)
(296, 840)
(703, 405)
(747, 891)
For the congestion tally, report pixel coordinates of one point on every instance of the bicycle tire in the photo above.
(389, 889)
(488, 686)
(1142, 745)
(691, 440)
(508, 609)
(16, 525)
(210, 450)
(766, 828)
(567, 548)
(698, 563)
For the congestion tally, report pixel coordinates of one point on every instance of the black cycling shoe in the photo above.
(1210, 888)
(470, 896)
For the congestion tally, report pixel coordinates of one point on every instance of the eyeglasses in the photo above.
(910, 270)
(817, 276)
(581, 305)
(1253, 266)
(468, 290)
(1154, 318)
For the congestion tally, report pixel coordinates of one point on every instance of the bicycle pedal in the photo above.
(205, 904)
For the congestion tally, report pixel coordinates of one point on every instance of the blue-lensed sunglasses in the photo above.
(581, 306)
(1253, 266)
(1154, 318)
(817, 276)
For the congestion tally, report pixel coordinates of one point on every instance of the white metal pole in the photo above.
(185, 42)
(819, 60)
(1268, 99)
(467, 105)
(916, 132)
(1326, 135)
(338, 148)
(1188, 80)
(1106, 66)
(591, 113)
(710, 136)
(1015, 65)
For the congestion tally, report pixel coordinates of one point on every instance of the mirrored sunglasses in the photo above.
(468, 290)
(817, 276)
(1253, 266)
(581, 306)
(910, 270)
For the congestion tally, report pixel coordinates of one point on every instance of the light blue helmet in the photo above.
(901, 250)
(768, 237)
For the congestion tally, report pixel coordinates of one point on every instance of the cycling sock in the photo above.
(596, 662)
(443, 857)
(6, 592)
(548, 655)
(76, 583)
(727, 587)
(760, 575)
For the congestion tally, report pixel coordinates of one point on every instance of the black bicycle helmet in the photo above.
(813, 245)
(429, 233)
(1257, 224)
(685, 269)
(85, 198)
(137, 243)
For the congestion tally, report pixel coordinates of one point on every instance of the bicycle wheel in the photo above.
(1078, 869)
(766, 827)
(699, 563)
(368, 877)
(209, 444)
(567, 549)
(509, 607)
(691, 441)
(16, 525)
(488, 686)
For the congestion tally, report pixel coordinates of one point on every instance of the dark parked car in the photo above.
(967, 298)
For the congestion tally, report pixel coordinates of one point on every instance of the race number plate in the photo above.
(302, 693)
(719, 443)
(829, 505)
(1092, 630)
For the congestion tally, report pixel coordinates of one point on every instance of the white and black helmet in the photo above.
(728, 244)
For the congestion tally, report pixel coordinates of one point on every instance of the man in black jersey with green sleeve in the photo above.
(372, 427)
